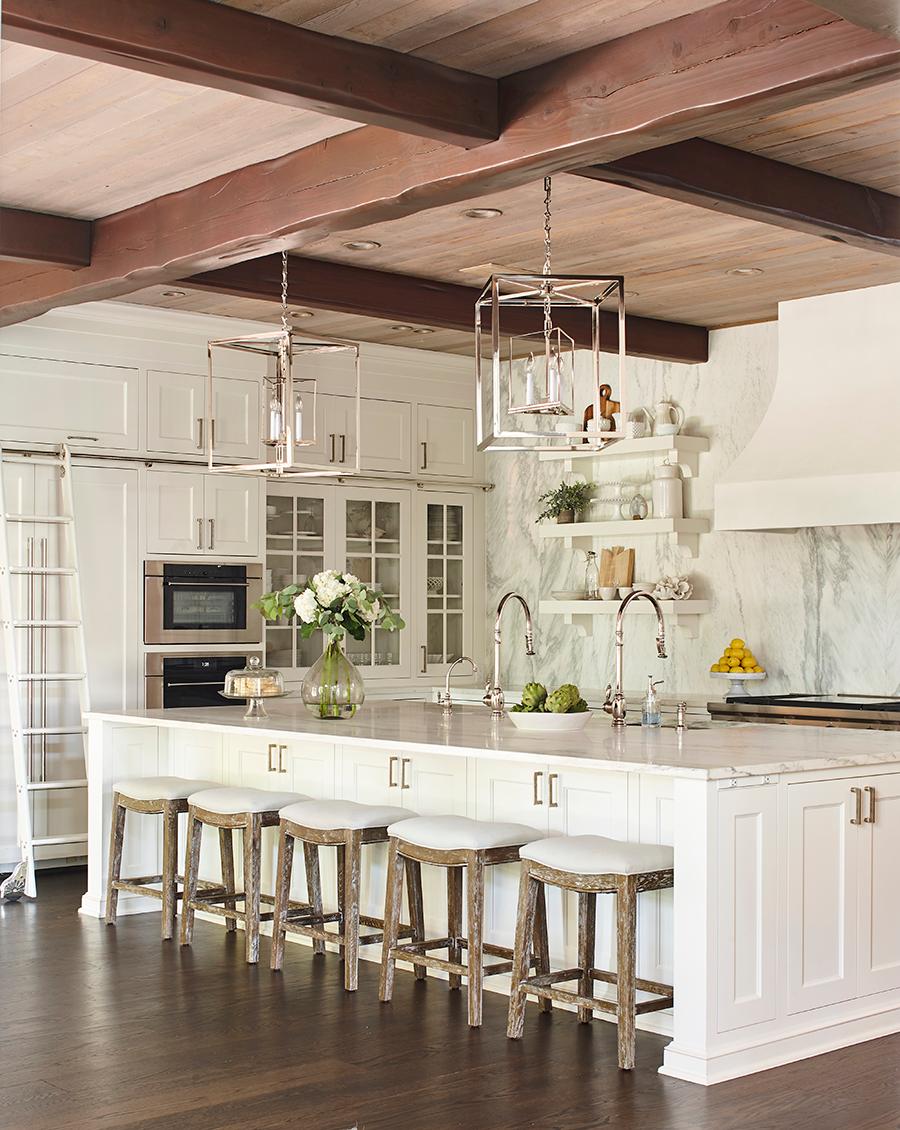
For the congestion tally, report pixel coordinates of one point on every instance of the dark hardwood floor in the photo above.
(111, 1028)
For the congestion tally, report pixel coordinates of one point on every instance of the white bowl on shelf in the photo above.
(569, 595)
(549, 723)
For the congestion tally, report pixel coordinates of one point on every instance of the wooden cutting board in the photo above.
(616, 567)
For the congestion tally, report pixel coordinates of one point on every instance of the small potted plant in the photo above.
(567, 502)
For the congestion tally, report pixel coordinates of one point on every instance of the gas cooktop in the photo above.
(874, 712)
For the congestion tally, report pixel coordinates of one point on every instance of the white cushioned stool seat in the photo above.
(460, 833)
(161, 788)
(336, 814)
(231, 801)
(598, 855)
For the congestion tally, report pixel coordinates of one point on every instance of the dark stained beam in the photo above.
(882, 16)
(664, 84)
(402, 298)
(40, 238)
(757, 188)
(212, 45)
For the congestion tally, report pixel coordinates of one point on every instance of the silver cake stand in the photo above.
(255, 705)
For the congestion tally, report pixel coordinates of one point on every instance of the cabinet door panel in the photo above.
(386, 437)
(175, 512)
(232, 515)
(822, 861)
(879, 908)
(444, 579)
(446, 444)
(50, 401)
(369, 776)
(235, 417)
(655, 936)
(176, 410)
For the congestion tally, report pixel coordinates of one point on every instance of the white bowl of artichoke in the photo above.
(562, 711)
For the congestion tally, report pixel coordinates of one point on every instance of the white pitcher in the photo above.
(668, 418)
(638, 424)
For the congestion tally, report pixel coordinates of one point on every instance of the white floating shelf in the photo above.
(685, 532)
(582, 614)
(679, 448)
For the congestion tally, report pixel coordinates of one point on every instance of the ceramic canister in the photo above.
(667, 493)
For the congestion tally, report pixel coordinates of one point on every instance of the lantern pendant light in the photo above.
(526, 376)
(289, 386)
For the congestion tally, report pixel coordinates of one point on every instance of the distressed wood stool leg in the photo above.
(416, 908)
(341, 894)
(393, 902)
(114, 869)
(282, 894)
(475, 930)
(525, 922)
(191, 869)
(252, 863)
(350, 923)
(169, 869)
(626, 920)
(226, 854)
(313, 886)
(454, 919)
(587, 933)
(542, 943)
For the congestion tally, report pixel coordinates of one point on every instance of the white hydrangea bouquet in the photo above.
(337, 604)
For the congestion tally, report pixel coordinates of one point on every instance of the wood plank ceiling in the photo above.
(89, 139)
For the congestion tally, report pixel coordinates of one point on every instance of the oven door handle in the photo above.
(210, 584)
(198, 683)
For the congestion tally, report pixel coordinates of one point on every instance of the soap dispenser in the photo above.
(650, 712)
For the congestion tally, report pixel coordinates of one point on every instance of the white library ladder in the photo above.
(42, 621)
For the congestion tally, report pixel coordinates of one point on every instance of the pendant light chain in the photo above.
(284, 290)
(548, 322)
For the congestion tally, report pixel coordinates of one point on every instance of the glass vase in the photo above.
(333, 687)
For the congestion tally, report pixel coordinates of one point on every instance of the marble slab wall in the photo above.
(819, 606)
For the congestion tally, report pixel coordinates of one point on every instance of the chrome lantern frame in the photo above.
(564, 301)
(290, 399)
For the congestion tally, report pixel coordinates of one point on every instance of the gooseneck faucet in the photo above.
(443, 697)
(493, 691)
(615, 703)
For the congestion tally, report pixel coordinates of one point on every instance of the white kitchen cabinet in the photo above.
(177, 415)
(369, 776)
(189, 512)
(88, 406)
(879, 906)
(443, 538)
(446, 442)
(385, 434)
(432, 785)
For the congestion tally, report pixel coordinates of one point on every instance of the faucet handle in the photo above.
(608, 701)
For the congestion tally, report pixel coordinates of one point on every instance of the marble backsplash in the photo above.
(820, 606)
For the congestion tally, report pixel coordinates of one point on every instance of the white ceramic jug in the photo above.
(668, 418)
(638, 424)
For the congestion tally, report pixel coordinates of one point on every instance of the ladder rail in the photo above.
(38, 623)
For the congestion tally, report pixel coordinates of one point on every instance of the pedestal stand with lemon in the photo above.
(738, 664)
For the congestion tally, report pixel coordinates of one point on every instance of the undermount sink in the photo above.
(711, 724)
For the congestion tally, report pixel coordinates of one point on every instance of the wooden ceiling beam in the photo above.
(882, 16)
(664, 84)
(212, 45)
(36, 237)
(324, 285)
(737, 183)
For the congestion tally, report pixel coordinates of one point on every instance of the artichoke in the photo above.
(533, 697)
(565, 700)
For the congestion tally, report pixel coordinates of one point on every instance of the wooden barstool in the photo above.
(346, 825)
(590, 865)
(156, 796)
(457, 843)
(230, 809)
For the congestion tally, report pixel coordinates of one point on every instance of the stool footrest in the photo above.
(655, 987)
(417, 952)
(542, 985)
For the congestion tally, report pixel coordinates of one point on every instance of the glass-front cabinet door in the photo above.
(299, 524)
(373, 540)
(444, 579)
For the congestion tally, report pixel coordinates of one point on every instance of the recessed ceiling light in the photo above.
(745, 272)
(362, 245)
(482, 213)
(423, 330)
(402, 329)
(174, 293)
(301, 313)
(632, 294)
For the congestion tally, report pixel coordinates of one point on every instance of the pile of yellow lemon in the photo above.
(738, 659)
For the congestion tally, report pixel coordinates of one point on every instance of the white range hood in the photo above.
(827, 452)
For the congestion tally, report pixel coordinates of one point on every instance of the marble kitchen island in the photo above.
(782, 936)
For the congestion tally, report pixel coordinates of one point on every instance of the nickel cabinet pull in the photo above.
(332, 437)
(343, 447)
(199, 433)
(212, 435)
(93, 439)
(870, 819)
(404, 761)
(281, 752)
(392, 761)
(424, 455)
(272, 747)
(424, 659)
(212, 532)
(536, 788)
(858, 818)
(552, 797)
(199, 533)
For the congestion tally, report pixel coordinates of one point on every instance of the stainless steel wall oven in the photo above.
(201, 603)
